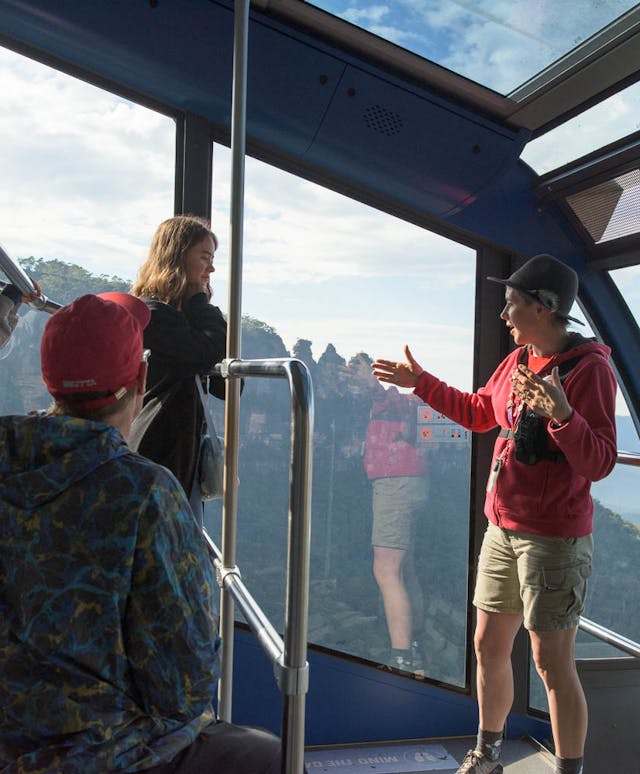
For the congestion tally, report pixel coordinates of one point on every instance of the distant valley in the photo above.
(620, 490)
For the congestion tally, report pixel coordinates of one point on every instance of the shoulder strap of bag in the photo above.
(211, 428)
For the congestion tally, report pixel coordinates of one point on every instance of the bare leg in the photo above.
(495, 633)
(387, 569)
(416, 596)
(553, 654)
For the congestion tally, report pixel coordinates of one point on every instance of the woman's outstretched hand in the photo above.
(401, 374)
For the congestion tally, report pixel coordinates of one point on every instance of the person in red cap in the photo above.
(187, 336)
(92, 356)
(553, 399)
(109, 648)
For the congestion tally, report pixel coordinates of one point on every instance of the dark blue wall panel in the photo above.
(409, 146)
(352, 702)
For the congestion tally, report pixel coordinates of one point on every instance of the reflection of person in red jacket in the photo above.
(397, 471)
(554, 401)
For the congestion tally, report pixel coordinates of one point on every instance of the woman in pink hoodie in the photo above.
(553, 399)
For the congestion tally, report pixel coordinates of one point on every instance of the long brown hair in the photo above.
(162, 276)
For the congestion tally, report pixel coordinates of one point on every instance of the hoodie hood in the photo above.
(41, 457)
(579, 346)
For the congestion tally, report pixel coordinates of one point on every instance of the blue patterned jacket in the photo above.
(108, 625)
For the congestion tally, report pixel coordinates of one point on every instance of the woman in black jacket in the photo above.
(186, 336)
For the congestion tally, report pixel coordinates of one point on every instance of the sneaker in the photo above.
(476, 763)
(400, 661)
(417, 661)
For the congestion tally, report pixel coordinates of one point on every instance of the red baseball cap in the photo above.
(93, 347)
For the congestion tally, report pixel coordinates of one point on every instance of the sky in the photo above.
(317, 265)
(498, 43)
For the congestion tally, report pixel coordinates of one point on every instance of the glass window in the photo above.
(612, 597)
(86, 178)
(610, 120)
(614, 582)
(336, 283)
(628, 283)
(499, 45)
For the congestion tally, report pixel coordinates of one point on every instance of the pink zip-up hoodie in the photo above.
(549, 498)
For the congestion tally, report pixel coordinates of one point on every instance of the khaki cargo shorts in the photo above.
(542, 578)
(396, 503)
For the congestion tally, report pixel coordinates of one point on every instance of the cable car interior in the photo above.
(365, 167)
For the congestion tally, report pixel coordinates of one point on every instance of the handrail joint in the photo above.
(222, 573)
(292, 681)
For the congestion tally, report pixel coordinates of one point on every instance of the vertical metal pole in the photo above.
(232, 404)
(194, 158)
(297, 597)
(329, 525)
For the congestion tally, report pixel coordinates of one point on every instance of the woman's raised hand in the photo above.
(545, 396)
(401, 374)
(193, 288)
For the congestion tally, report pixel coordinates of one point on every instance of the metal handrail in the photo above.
(628, 458)
(17, 276)
(611, 638)
(289, 657)
(596, 630)
(259, 624)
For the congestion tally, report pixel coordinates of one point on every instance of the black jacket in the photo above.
(183, 344)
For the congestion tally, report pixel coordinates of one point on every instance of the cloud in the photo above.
(372, 14)
(86, 176)
(500, 44)
(299, 233)
(610, 120)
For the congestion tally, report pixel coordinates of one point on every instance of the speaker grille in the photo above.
(382, 121)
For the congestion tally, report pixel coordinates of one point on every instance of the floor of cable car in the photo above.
(444, 755)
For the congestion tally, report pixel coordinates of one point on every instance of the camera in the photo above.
(531, 439)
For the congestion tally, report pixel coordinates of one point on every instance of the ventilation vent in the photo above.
(383, 121)
(611, 209)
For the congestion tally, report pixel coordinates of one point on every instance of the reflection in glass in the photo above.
(340, 283)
